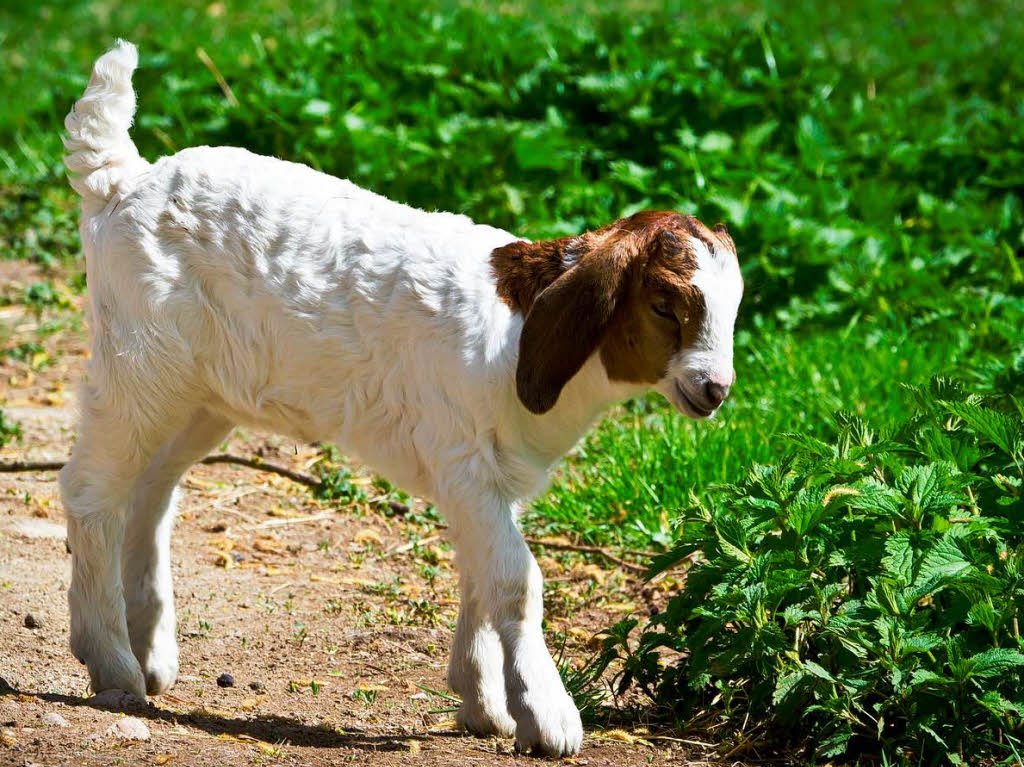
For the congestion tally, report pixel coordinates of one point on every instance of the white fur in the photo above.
(711, 357)
(718, 278)
(229, 288)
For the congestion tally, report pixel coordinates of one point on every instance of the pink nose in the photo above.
(716, 393)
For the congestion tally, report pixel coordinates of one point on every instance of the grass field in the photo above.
(868, 160)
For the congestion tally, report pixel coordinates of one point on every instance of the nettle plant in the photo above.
(862, 596)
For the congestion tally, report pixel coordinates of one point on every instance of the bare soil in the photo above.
(334, 622)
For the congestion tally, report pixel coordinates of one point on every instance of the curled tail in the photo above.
(101, 158)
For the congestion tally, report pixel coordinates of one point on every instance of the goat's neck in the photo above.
(584, 399)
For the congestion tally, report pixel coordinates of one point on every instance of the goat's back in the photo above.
(294, 300)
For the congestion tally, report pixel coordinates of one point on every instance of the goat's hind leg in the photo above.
(97, 486)
(146, 561)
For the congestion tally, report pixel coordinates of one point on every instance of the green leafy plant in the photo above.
(862, 594)
(336, 479)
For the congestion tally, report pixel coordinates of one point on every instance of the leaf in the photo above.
(997, 704)
(899, 559)
(670, 558)
(835, 743)
(812, 141)
(928, 489)
(1005, 431)
(787, 686)
(731, 539)
(993, 662)
(943, 561)
(819, 671)
(982, 613)
(926, 677)
(807, 510)
(317, 108)
(715, 141)
(921, 642)
(876, 497)
(755, 137)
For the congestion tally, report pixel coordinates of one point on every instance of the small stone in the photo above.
(32, 622)
(129, 728)
(257, 686)
(53, 719)
(225, 680)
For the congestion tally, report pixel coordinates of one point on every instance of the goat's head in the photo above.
(655, 294)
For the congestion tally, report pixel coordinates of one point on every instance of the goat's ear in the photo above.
(724, 235)
(566, 323)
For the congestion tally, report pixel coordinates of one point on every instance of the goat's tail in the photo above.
(101, 158)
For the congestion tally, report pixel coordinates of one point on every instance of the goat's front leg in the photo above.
(475, 668)
(504, 575)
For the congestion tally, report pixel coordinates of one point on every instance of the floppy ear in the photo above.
(723, 233)
(565, 324)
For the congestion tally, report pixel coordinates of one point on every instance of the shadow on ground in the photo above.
(268, 728)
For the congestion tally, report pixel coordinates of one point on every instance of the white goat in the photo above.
(458, 360)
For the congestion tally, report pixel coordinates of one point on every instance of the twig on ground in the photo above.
(256, 463)
(632, 566)
(14, 466)
(291, 521)
(401, 549)
(252, 463)
(313, 482)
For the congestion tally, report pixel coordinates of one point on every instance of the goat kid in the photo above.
(459, 360)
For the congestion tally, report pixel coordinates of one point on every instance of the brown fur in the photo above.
(604, 300)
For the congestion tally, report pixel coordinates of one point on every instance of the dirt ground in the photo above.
(334, 622)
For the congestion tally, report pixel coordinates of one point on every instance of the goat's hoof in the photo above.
(160, 677)
(117, 671)
(159, 660)
(551, 727)
(483, 719)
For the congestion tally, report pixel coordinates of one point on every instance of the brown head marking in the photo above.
(624, 288)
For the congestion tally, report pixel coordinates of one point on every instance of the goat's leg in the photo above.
(497, 562)
(475, 668)
(97, 486)
(146, 561)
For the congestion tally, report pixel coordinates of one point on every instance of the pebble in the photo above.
(32, 622)
(225, 680)
(53, 719)
(257, 686)
(129, 728)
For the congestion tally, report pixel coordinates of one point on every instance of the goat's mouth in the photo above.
(687, 405)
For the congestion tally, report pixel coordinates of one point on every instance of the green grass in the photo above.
(868, 159)
(641, 465)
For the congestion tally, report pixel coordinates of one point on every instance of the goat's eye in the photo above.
(661, 309)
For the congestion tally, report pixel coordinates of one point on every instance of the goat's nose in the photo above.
(716, 393)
